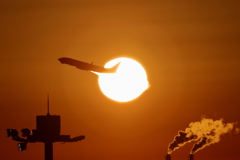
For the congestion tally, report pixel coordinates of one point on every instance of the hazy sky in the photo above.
(190, 50)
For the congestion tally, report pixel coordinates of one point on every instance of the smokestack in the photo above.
(191, 157)
(168, 157)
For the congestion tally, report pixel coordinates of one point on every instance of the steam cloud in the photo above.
(207, 132)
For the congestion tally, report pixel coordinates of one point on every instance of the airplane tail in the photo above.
(114, 68)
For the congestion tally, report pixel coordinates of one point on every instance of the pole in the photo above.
(48, 150)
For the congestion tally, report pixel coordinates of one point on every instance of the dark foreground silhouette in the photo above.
(168, 157)
(47, 131)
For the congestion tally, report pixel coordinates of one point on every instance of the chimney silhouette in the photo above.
(191, 157)
(168, 157)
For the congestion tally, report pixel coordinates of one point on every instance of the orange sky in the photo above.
(190, 51)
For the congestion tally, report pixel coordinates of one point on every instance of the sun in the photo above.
(129, 81)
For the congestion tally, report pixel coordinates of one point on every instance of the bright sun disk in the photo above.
(129, 82)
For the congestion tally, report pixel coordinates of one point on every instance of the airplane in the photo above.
(88, 67)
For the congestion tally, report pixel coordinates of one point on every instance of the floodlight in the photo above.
(25, 132)
(12, 133)
(22, 146)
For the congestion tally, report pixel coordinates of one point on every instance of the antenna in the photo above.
(48, 104)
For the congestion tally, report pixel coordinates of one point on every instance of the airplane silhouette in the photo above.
(88, 67)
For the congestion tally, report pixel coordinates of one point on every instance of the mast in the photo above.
(48, 113)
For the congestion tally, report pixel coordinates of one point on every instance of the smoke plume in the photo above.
(180, 140)
(212, 135)
(207, 132)
(199, 145)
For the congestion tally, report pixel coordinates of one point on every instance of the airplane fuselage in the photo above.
(86, 66)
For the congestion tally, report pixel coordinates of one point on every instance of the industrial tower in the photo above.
(47, 131)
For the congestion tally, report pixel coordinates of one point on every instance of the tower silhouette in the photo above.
(48, 128)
